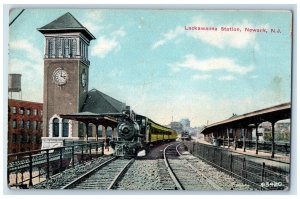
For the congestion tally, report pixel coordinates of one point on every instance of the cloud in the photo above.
(220, 39)
(226, 78)
(93, 21)
(213, 64)
(170, 35)
(201, 77)
(106, 45)
(31, 68)
(26, 47)
(31, 79)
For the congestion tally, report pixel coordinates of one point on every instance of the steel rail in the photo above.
(118, 177)
(88, 173)
(170, 170)
(210, 182)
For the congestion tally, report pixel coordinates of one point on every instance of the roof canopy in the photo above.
(100, 103)
(271, 114)
(97, 119)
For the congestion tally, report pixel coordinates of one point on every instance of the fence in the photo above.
(258, 173)
(29, 168)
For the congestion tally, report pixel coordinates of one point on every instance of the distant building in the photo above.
(25, 125)
(177, 126)
(186, 124)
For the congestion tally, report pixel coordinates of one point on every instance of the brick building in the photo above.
(25, 125)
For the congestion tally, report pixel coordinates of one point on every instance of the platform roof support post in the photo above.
(256, 138)
(97, 125)
(273, 139)
(104, 128)
(244, 139)
(86, 137)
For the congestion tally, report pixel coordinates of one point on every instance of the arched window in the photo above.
(55, 127)
(65, 128)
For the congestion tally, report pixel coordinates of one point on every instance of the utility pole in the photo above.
(16, 17)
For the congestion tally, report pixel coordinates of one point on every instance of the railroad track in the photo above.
(185, 175)
(103, 176)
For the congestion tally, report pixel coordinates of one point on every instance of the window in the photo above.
(28, 110)
(14, 124)
(34, 125)
(34, 139)
(57, 47)
(14, 110)
(41, 113)
(41, 125)
(35, 112)
(74, 48)
(14, 138)
(65, 128)
(27, 138)
(21, 124)
(24, 139)
(21, 110)
(50, 47)
(66, 48)
(20, 138)
(27, 124)
(55, 130)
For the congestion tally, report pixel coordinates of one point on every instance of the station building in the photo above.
(25, 125)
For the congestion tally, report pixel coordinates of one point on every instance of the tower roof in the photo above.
(66, 23)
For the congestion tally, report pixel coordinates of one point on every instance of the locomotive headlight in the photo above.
(125, 130)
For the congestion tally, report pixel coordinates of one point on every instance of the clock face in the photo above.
(83, 79)
(60, 76)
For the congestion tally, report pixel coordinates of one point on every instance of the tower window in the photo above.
(66, 48)
(50, 47)
(74, 48)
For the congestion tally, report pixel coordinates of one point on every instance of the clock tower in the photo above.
(66, 72)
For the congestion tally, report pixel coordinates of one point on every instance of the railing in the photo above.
(257, 172)
(29, 168)
(282, 148)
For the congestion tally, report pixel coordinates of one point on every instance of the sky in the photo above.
(149, 60)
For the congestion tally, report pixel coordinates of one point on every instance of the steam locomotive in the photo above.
(138, 133)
